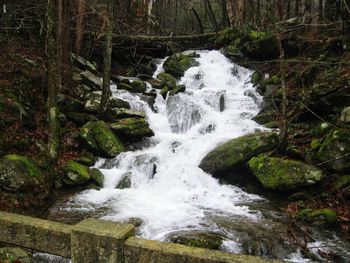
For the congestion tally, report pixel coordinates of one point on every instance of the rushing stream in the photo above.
(169, 194)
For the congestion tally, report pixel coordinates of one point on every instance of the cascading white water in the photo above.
(179, 195)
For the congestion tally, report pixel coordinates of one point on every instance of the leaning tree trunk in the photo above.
(53, 72)
(107, 58)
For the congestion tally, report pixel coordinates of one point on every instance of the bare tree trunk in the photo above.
(54, 84)
(63, 39)
(230, 12)
(79, 33)
(107, 58)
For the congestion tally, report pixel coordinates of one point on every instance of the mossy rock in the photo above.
(345, 116)
(156, 83)
(259, 46)
(177, 64)
(256, 78)
(96, 176)
(124, 182)
(138, 86)
(178, 89)
(164, 92)
(237, 151)
(318, 216)
(132, 127)
(76, 173)
(281, 174)
(118, 103)
(197, 239)
(100, 138)
(335, 150)
(167, 79)
(127, 113)
(125, 86)
(87, 158)
(18, 173)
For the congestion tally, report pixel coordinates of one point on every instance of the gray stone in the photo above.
(91, 80)
(237, 151)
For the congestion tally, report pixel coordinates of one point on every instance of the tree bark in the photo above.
(54, 84)
(107, 58)
(79, 32)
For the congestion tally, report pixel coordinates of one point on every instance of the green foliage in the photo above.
(318, 217)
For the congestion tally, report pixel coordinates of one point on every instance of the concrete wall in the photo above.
(94, 240)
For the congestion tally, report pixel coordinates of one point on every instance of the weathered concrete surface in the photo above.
(146, 251)
(96, 240)
(37, 234)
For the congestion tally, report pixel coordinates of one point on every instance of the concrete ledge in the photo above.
(145, 251)
(37, 234)
(96, 240)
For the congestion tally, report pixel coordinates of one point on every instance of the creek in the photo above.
(170, 196)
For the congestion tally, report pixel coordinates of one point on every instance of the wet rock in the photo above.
(76, 173)
(208, 240)
(222, 103)
(335, 150)
(136, 222)
(164, 92)
(96, 176)
(238, 151)
(128, 113)
(14, 254)
(177, 64)
(138, 86)
(318, 216)
(124, 182)
(167, 79)
(265, 117)
(178, 89)
(118, 103)
(280, 174)
(125, 86)
(101, 139)
(132, 127)
(156, 83)
(18, 173)
(91, 80)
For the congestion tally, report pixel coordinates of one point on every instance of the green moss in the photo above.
(177, 64)
(237, 151)
(107, 141)
(318, 217)
(167, 79)
(138, 86)
(76, 173)
(342, 182)
(315, 144)
(178, 89)
(280, 174)
(203, 240)
(164, 91)
(101, 139)
(97, 176)
(256, 78)
(132, 127)
(28, 164)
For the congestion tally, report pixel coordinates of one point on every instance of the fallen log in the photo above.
(164, 38)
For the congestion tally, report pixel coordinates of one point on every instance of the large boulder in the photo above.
(101, 139)
(281, 174)
(238, 151)
(177, 64)
(91, 80)
(167, 80)
(76, 173)
(334, 150)
(18, 173)
(132, 127)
